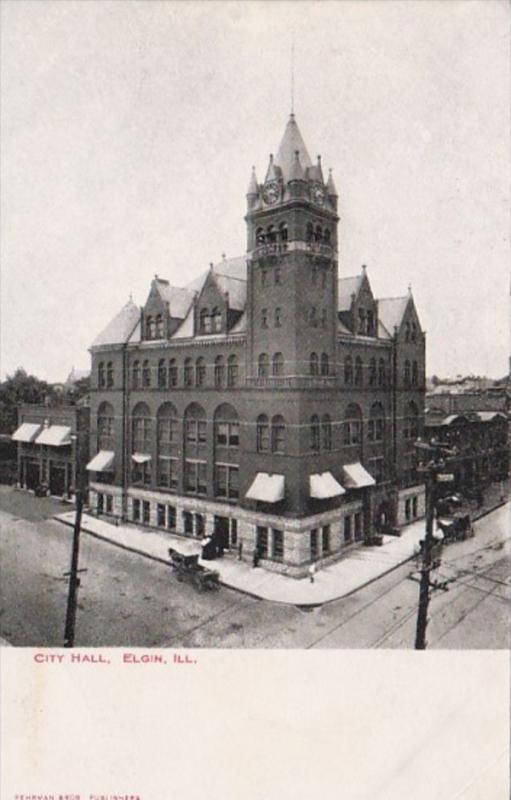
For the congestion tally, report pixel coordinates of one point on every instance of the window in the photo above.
(277, 274)
(149, 328)
(188, 372)
(101, 375)
(411, 422)
(376, 425)
(105, 421)
(358, 371)
(188, 522)
(283, 236)
(219, 372)
(326, 431)
(234, 532)
(414, 332)
(325, 367)
(109, 375)
(314, 544)
(227, 427)
(167, 472)
(361, 320)
(372, 372)
(159, 327)
(358, 526)
(347, 529)
(232, 371)
(172, 372)
(162, 374)
(264, 277)
(277, 364)
(263, 365)
(315, 432)
(381, 372)
(407, 373)
(259, 236)
(370, 323)
(314, 364)
(348, 370)
(324, 317)
(415, 508)
(353, 425)
(141, 429)
(264, 318)
(415, 374)
(263, 433)
(278, 317)
(278, 434)
(195, 477)
(325, 531)
(216, 320)
(200, 525)
(146, 512)
(313, 318)
(204, 321)
(314, 274)
(195, 431)
(319, 233)
(309, 232)
(407, 332)
(377, 469)
(277, 549)
(146, 374)
(408, 509)
(200, 372)
(167, 440)
(262, 541)
(136, 510)
(171, 517)
(227, 481)
(109, 503)
(160, 515)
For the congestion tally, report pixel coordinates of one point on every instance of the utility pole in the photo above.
(74, 580)
(432, 470)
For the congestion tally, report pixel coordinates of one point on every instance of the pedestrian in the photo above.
(255, 557)
(312, 572)
(240, 550)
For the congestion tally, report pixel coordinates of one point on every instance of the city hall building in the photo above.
(272, 403)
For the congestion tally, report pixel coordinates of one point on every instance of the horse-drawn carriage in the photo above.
(187, 568)
(456, 528)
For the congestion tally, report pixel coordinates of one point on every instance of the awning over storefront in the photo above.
(267, 488)
(141, 458)
(356, 477)
(102, 461)
(26, 432)
(323, 485)
(55, 436)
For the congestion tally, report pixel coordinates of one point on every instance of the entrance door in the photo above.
(221, 531)
(57, 480)
(32, 475)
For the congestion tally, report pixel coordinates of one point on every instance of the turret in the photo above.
(252, 191)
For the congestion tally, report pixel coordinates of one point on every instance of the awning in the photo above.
(102, 461)
(356, 477)
(55, 436)
(141, 458)
(267, 488)
(323, 485)
(26, 432)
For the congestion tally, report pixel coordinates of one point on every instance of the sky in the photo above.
(129, 129)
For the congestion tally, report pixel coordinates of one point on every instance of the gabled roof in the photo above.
(178, 298)
(291, 142)
(122, 328)
(391, 311)
(347, 287)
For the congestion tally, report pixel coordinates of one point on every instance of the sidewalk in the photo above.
(358, 568)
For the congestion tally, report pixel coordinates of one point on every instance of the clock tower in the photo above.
(292, 268)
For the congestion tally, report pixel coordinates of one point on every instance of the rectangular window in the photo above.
(100, 503)
(314, 544)
(167, 472)
(326, 539)
(200, 525)
(408, 511)
(141, 473)
(146, 511)
(160, 515)
(171, 518)
(277, 544)
(277, 276)
(262, 541)
(414, 507)
(188, 522)
(136, 510)
(227, 481)
(347, 529)
(234, 532)
(109, 504)
(195, 477)
(359, 532)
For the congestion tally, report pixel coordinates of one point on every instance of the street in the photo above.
(128, 600)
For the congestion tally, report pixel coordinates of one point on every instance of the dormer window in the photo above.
(407, 332)
(414, 332)
(150, 326)
(205, 321)
(370, 323)
(216, 320)
(159, 327)
(361, 320)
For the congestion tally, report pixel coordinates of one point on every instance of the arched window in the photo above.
(358, 371)
(264, 318)
(259, 237)
(376, 425)
(162, 374)
(141, 441)
(277, 366)
(318, 234)
(407, 374)
(361, 320)
(135, 374)
(314, 364)
(149, 328)
(216, 320)
(159, 326)
(372, 372)
(195, 441)
(326, 432)
(200, 372)
(415, 373)
(232, 371)
(263, 434)
(188, 372)
(101, 375)
(325, 366)
(313, 317)
(227, 427)
(414, 332)
(309, 233)
(195, 427)
(407, 332)
(353, 425)
(278, 434)
(283, 235)
(172, 372)
(271, 234)
(227, 440)
(219, 371)
(411, 421)
(381, 372)
(146, 374)
(205, 321)
(105, 427)
(168, 446)
(370, 323)
(109, 375)
(348, 370)
(315, 432)
(277, 275)
(278, 317)
(324, 317)
(263, 365)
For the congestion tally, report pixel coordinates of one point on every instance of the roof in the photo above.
(236, 289)
(291, 142)
(179, 298)
(391, 311)
(348, 287)
(121, 328)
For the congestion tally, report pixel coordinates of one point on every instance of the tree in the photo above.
(20, 388)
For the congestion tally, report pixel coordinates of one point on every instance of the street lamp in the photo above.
(74, 580)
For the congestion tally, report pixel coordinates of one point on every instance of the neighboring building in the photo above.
(492, 399)
(53, 447)
(272, 402)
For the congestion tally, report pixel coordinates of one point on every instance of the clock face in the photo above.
(271, 192)
(318, 194)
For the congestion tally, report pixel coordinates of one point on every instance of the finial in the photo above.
(130, 298)
(319, 160)
(271, 158)
(223, 256)
(409, 288)
(364, 268)
(211, 265)
(155, 276)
